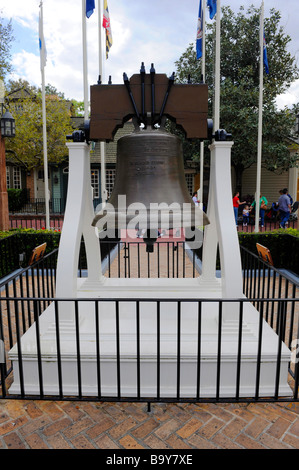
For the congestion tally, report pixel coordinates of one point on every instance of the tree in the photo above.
(240, 86)
(6, 38)
(27, 145)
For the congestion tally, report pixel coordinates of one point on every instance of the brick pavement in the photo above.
(104, 425)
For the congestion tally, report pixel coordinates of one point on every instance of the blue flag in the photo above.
(199, 33)
(89, 7)
(265, 56)
(212, 4)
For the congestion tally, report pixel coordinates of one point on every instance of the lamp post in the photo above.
(7, 130)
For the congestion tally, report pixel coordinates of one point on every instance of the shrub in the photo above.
(283, 245)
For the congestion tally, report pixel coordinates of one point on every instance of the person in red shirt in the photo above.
(236, 204)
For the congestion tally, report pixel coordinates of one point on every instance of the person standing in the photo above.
(194, 198)
(262, 206)
(284, 206)
(236, 204)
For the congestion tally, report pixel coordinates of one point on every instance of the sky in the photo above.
(149, 31)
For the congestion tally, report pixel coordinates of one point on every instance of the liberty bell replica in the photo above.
(150, 191)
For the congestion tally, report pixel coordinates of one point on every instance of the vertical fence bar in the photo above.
(158, 259)
(117, 348)
(249, 291)
(125, 259)
(281, 322)
(59, 368)
(20, 356)
(292, 316)
(168, 261)
(219, 351)
(98, 351)
(184, 259)
(158, 350)
(273, 297)
(239, 351)
(129, 260)
(199, 312)
(3, 366)
(178, 350)
(148, 266)
(259, 355)
(268, 294)
(138, 347)
(109, 261)
(296, 371)
(279, 302)
(79, 375)
(8, 317)
(138, 259)
(38, 347)
(22, 301)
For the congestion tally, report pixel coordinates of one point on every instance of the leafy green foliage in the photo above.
(28, 142)
(6, 38)
(240, 58)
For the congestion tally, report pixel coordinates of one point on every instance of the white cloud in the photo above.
(290, 97)
(155, 31)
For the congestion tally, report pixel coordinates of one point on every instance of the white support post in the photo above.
(222, 229)
(77, 222)
(229, 249)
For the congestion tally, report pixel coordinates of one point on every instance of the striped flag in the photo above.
(42, 45)
(89, 7)
(199, 33)
(107, 26)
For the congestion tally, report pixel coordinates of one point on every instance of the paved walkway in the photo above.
(91, 425)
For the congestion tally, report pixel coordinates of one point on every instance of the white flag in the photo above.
(42, 45)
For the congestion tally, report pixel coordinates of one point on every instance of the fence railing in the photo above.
(29, 293)
(38, 206)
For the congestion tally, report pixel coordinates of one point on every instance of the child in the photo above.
(246, 215)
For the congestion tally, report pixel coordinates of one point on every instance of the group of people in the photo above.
(284, 205)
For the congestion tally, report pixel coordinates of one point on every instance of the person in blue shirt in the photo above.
(284, 206)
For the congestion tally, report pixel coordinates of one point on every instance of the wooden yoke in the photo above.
(111, 105)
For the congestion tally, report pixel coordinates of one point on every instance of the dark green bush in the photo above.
(23, 241)
(283, 245)
(16, 199)
(18, 241)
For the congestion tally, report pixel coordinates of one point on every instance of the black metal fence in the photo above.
(29, 293)
(38, 206)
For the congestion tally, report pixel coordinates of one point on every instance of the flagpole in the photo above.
(217, 70)
(260, 123)
(102, 144)
(45, 149)
(85, 73)
(203, 72)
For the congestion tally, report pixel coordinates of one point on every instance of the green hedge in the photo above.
(16, 199)
(283, 245)
(15, 242)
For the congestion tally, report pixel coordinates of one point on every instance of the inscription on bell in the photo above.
(146, 167)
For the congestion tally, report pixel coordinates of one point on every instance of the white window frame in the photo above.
(94, 177)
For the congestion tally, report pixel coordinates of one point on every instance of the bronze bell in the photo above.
(150, 190)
